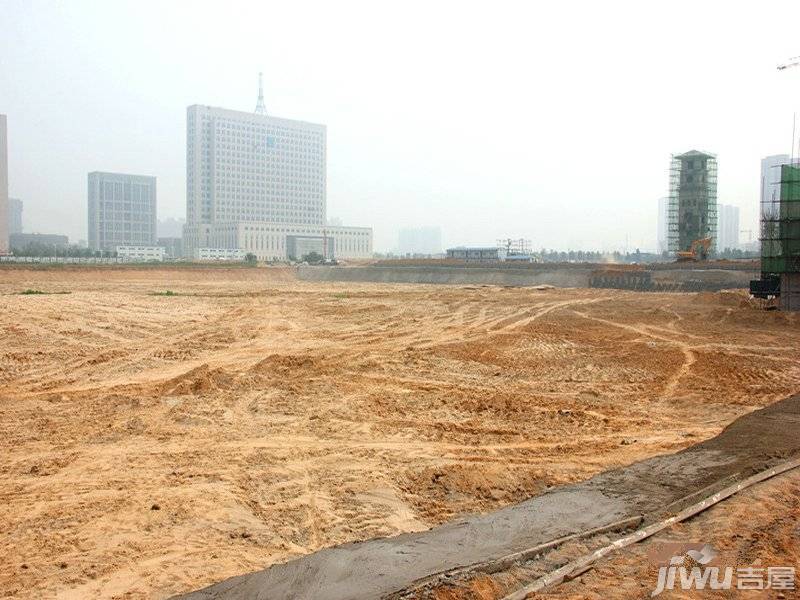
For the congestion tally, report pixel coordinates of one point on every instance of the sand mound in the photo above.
(200, 380)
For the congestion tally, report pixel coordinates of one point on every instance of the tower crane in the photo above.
(793, 62)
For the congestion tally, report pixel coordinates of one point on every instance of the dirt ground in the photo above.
(756, 529)
(151, 444)
(743, 538)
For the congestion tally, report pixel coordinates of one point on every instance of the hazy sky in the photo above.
(547, 120)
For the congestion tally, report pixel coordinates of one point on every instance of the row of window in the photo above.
(264, 142)
(144, 227)
(266, 165)
(256, 126)
(125, 237)
(128, 192)
(119, 207)
(229, 175)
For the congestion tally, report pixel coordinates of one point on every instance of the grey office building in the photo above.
(14, 215)
(122, 210)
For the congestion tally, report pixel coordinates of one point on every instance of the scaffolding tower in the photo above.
(692, 207)
(780, 236)
(515, 247)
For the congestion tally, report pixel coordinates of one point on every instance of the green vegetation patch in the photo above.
(30, 292)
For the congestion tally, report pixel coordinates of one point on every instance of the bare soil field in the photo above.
(152, 444)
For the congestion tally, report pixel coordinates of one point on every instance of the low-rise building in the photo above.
(476, 253)
(26, 240)
(219, 254)
(520, 258)
(141, 253)
(270, 241)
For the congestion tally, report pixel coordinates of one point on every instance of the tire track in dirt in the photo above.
(392, 408)
(686, 349)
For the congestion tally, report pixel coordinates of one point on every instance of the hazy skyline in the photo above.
(553, 122)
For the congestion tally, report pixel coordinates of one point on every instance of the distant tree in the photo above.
(250, 258)
(39, 249)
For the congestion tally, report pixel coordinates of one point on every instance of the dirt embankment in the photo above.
(694, 277)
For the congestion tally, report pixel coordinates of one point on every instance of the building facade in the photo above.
(122, 210)
(4, 241)
(270, 241)
(22, 241)
(780, 236)
(141, 253)
(728, 227)
(14, 215)
(300, 246)
(225, 254)
(479, 254)
(780, 232)
(692, 213)
(252, 180)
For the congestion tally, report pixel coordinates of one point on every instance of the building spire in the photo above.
(260, 108)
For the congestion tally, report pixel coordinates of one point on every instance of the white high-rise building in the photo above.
(4, 243)
(250, 167)
(662, 237)
(258, 183)
(728, 227)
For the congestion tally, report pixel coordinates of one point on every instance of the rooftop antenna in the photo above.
(260, 108)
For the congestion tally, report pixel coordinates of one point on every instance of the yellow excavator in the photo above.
(697, 251)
